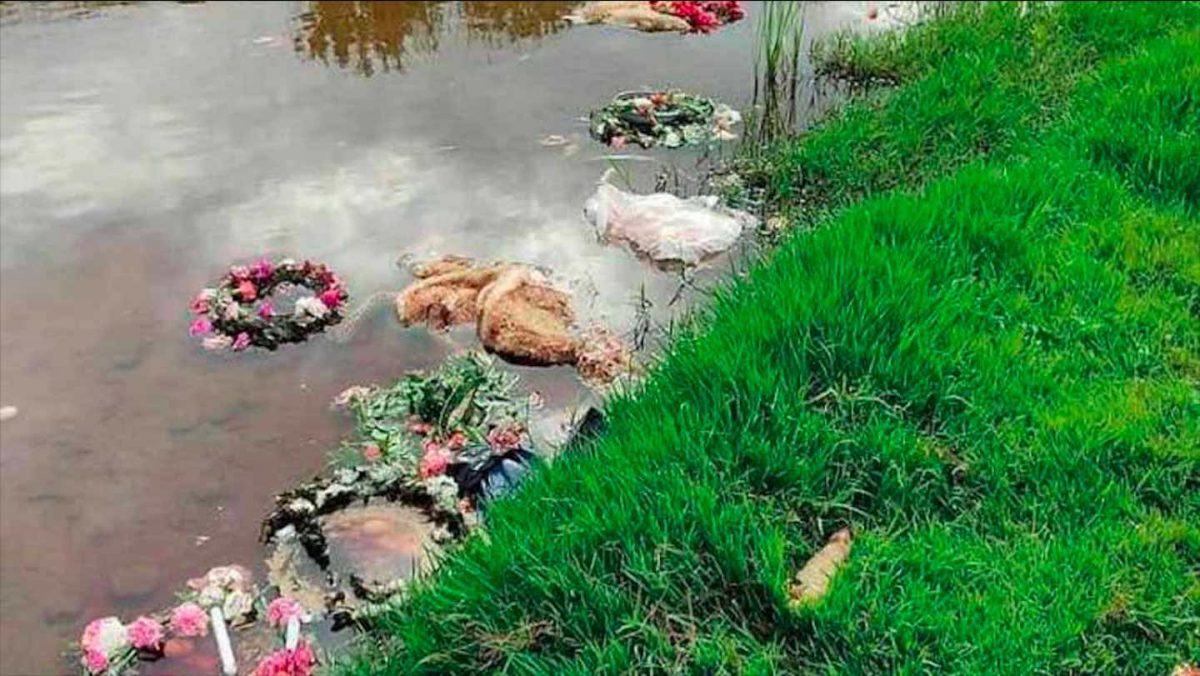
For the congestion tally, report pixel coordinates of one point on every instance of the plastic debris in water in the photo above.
(503, 478)
(665, 227)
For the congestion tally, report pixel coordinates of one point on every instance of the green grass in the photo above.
(985, 360)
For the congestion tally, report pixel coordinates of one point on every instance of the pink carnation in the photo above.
(372, 452)
(200, 326)
(241, 342)
(239, 272)
(332, 298)
(266, 309)
(247, 290)
(282, 610)
(284, 662)
(189, 619)
(105, 635)
(145, 633)
(435, 460)
(95, 661)
(504, 438)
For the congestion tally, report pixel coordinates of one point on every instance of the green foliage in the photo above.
(985, 360)
(466, 394)
(986, 81)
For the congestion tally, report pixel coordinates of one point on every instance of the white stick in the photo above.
(293, 633)
(221, 632)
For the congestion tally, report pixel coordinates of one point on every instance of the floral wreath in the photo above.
(238, 312)
(109, 647)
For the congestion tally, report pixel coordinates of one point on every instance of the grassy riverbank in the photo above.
(984, 358)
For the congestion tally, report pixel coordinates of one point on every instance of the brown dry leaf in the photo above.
(812, 582)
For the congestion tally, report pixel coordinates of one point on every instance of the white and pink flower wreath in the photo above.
(238, 311)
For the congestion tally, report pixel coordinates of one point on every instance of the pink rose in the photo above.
(372, 453)
(247, 290)
(145, 633)
(282, 610)
(189, 619)
(266, 309)
(457, 440)
(617, 142)
(504, 438)
(332, 298)
(239, 272)
(241, 342)
(199, 326)
(95, 661)
(435, 460)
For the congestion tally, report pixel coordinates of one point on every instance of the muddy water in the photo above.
(143, 148)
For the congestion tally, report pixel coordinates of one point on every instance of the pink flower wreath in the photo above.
(238, 312)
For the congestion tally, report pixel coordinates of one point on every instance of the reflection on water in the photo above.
(498, 22)
(382, 36)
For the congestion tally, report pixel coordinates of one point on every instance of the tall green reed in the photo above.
(776, 71)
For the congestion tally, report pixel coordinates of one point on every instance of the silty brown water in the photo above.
(143, 148)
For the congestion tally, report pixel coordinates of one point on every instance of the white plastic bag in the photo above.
(663, 226)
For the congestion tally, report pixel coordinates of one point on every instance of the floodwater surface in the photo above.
(146, 147)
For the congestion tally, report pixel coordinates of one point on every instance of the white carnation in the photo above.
(310, 306)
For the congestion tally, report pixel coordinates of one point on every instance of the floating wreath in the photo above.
(239, 311)
(111, 647)
(442, 442)
(669, 118)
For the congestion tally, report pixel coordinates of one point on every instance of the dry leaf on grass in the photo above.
(812, 582)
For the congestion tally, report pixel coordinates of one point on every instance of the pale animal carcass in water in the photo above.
(518, 315)
(524, 319)
(639, 15)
